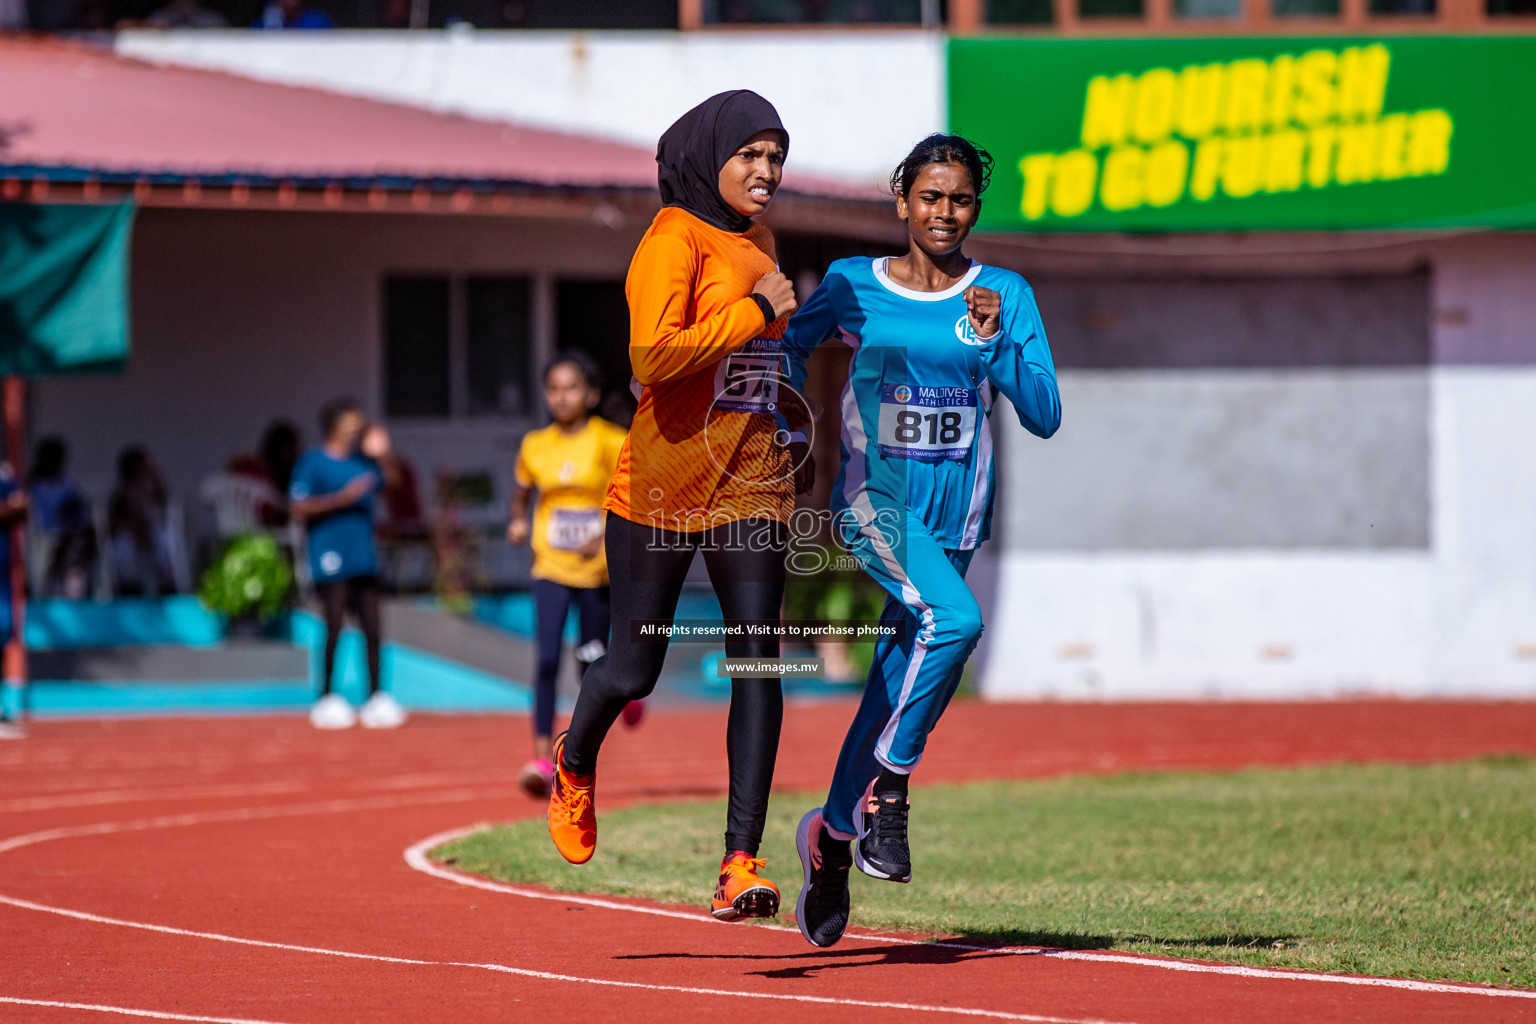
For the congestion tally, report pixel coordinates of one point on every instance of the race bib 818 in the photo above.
(926, 424)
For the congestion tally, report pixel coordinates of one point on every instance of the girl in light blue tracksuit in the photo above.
(937, 338)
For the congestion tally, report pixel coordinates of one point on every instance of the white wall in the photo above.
(1202, 459)
(854, 102)
(1457, 619)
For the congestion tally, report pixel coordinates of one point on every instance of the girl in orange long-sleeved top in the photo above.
(707, 466)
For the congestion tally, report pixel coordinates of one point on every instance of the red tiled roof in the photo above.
(69, 111)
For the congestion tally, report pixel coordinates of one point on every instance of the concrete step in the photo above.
(416, 624)
(231, 660)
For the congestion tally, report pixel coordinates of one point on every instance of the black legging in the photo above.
(361, 595)
(551, 604)
(646, 568)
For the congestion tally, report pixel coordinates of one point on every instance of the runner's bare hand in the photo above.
(518, 531)
(805, 466)
(985, 308)
(375, 443)
(592, 548)
(799, 414)
(359, 487)
(779, 292)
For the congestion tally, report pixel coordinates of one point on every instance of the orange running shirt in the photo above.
(701, 451)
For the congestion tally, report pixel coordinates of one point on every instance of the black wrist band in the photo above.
(767, 308)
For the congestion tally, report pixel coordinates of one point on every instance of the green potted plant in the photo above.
(248, 584)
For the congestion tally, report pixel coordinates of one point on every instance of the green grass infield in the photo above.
(1417, 872)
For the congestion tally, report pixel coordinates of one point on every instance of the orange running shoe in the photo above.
(572, 815)
(741, 893)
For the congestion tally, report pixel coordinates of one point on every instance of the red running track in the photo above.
(251, 869)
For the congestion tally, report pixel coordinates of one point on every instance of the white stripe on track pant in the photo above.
(914, 675)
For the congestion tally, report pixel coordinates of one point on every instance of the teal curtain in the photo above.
(64, 288)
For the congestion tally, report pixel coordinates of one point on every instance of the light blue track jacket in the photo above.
(921, 386)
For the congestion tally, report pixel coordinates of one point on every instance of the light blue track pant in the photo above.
(914, 675)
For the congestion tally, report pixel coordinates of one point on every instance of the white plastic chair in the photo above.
(237, 501)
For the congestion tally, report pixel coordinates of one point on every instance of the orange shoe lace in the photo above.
(741, 864)
(577, 802)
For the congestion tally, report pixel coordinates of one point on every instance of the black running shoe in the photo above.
(822, 909)
(882, 850)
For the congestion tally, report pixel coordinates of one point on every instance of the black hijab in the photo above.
(691, 153)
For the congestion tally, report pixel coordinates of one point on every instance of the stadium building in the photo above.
(1283, 252)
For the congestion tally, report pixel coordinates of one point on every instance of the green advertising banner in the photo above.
(1223, 134)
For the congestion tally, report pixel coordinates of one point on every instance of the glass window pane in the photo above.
(1109, 8)
(564, 14)
(1208, 8)
(757, 12)
(1497, 7)
(1305, 8)
(497, 311)
(416, 346)
(1402, 6)
(1019, 12)
(594, 317)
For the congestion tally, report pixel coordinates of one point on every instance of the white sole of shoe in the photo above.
(803, 845)
(389, 715)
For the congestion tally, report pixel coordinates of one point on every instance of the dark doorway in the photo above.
(593, 316)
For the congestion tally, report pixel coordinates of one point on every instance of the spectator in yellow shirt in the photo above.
(569, 463)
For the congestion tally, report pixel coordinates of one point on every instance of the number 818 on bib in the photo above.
(926, 424)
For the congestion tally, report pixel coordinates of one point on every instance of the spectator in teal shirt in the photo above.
(332, 494)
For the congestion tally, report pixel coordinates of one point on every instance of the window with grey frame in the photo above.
(457, 346)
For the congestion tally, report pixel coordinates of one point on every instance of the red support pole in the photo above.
(966, 17)
(13, 664)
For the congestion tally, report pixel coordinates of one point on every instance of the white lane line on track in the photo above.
(524, 972)
(247, 814)
(126, 796)
(99, 797)
(336, 806)
(416, 857)
(128, 1011)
